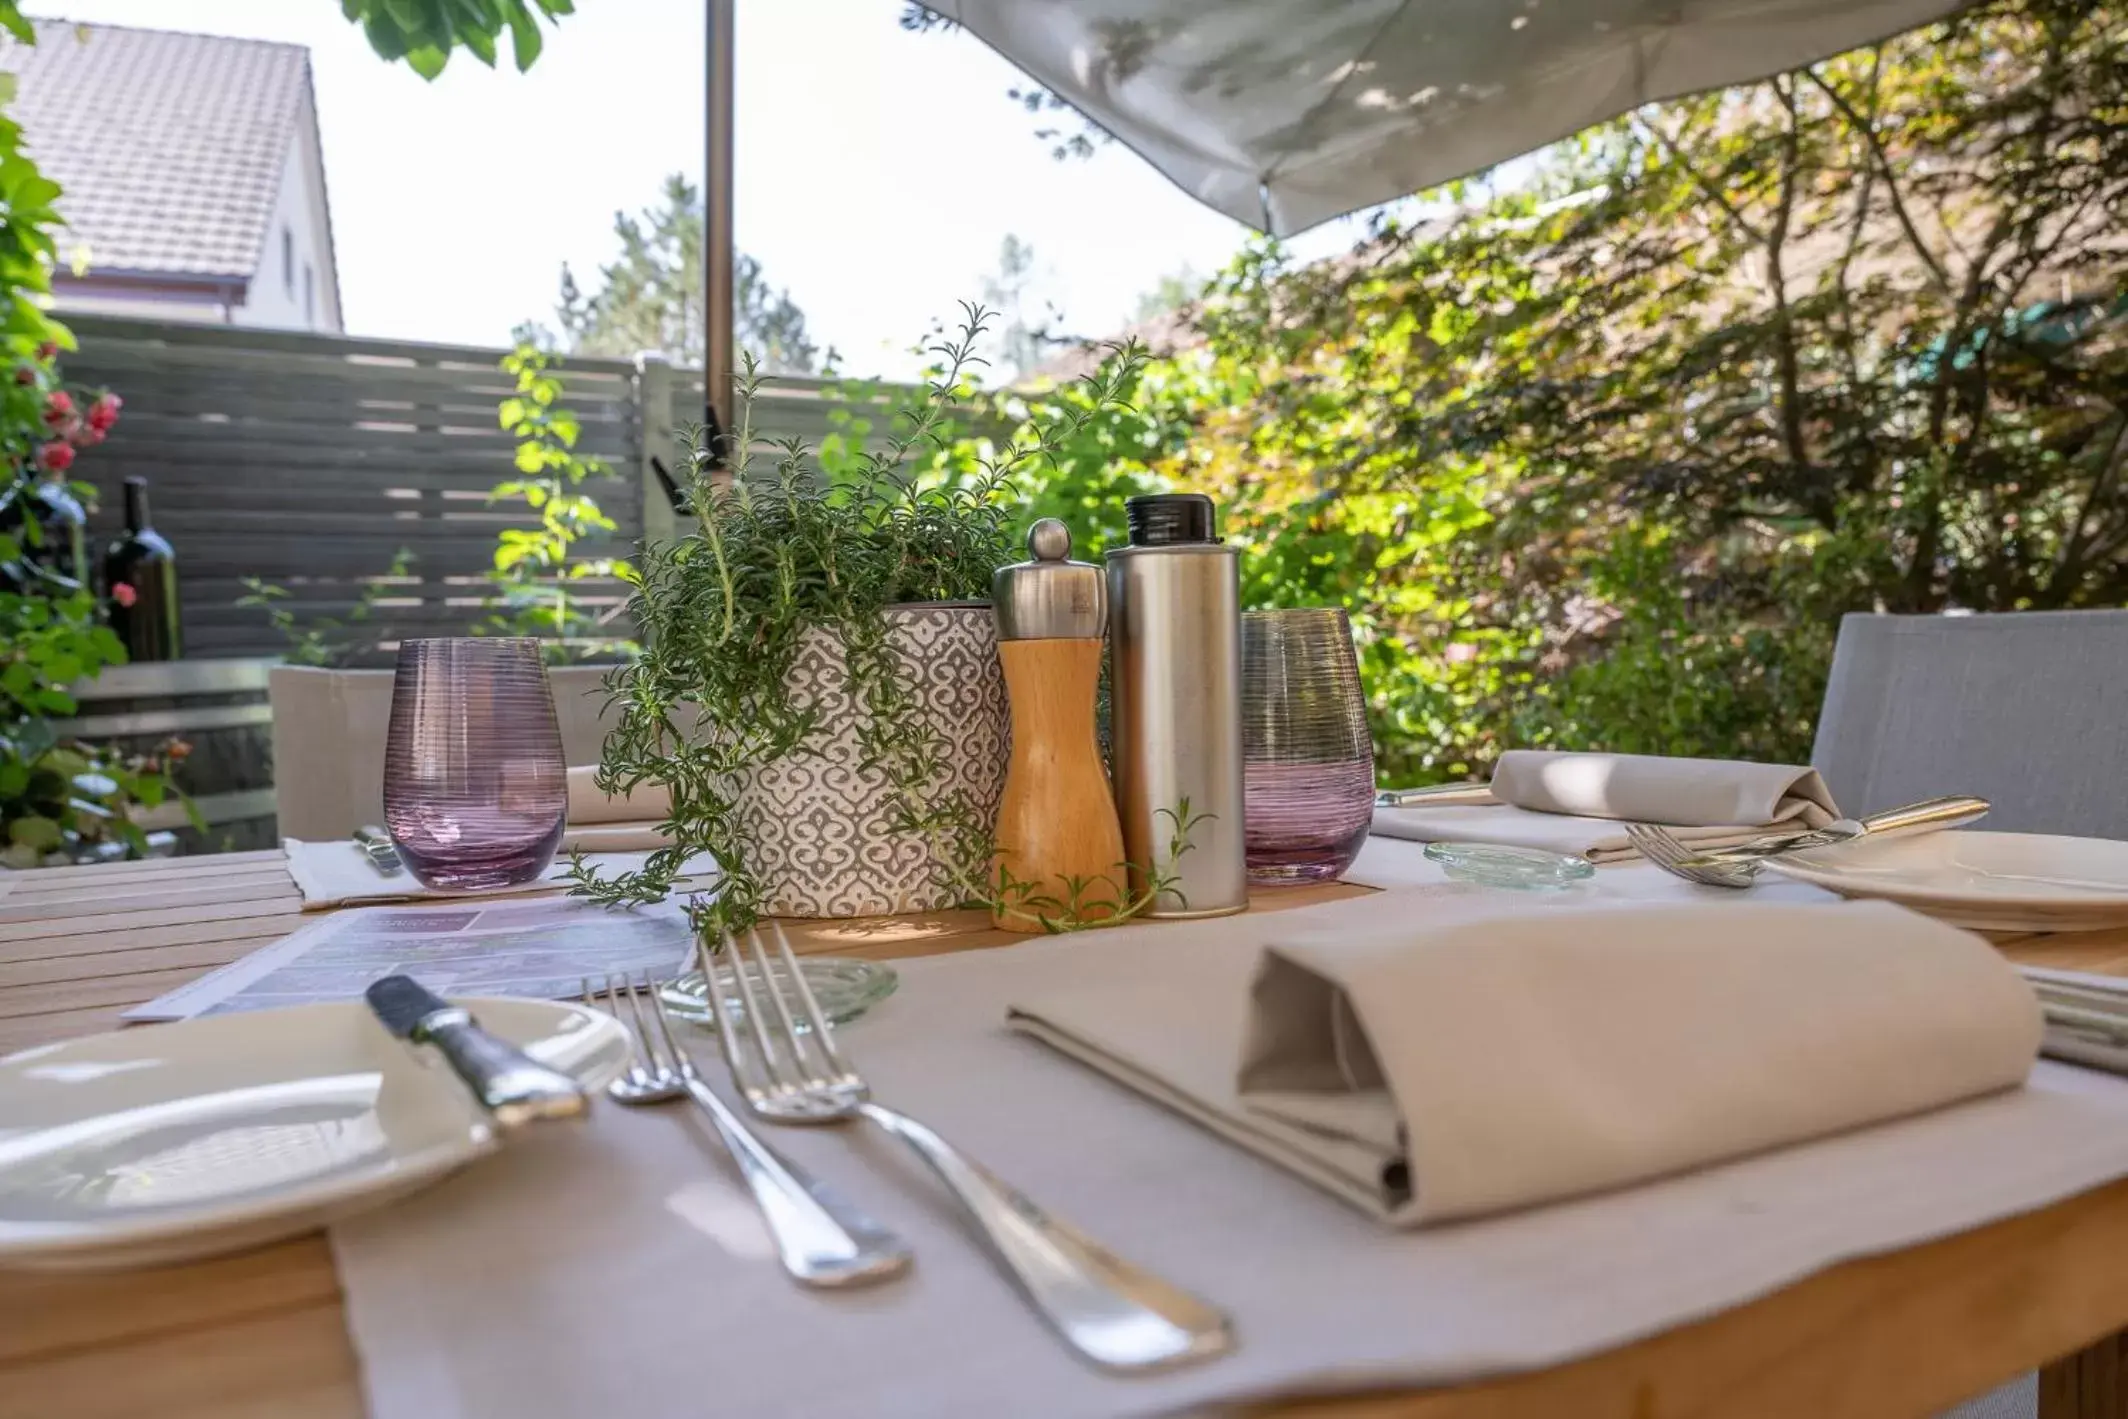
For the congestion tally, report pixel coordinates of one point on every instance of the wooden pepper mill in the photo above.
(1058, 818)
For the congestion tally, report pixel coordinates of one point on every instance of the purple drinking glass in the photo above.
(475, 790)
(1309, 760)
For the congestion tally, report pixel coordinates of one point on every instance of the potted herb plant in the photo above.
(818, 691)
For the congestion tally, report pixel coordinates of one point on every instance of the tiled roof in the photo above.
(170, 147)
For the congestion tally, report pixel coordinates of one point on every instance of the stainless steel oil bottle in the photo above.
(1175, 693)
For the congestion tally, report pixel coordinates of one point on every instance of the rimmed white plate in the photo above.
(175, 1142)
(1988, 881)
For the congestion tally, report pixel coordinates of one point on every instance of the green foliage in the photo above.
(774, 556)
(649, 298)
(1600, 461)
(56, 798)
(535, 567)
(425, 33)
(329, 641)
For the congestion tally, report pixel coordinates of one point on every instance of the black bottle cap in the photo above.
(1170, 520)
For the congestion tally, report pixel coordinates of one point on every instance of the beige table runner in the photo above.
(620, 1270)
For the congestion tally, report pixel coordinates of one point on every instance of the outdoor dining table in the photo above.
(264, 1333)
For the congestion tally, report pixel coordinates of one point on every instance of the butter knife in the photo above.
(377, 846)
(511, 1085)
(1437, 795)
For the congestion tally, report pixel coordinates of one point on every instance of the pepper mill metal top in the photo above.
(1050, 597)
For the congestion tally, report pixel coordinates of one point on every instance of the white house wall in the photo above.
(276, 299)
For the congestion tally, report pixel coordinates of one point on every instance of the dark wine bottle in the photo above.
(140, 578)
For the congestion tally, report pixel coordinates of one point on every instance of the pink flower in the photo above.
(58, 408)
(124, 594)
(91, 436)
(104, 412)
(48, 351)
(56, 456)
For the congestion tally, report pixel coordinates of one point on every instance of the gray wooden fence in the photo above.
(308, 461)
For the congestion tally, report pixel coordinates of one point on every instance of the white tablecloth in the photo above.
(619, 1269)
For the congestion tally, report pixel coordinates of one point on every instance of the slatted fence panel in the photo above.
(308, 461)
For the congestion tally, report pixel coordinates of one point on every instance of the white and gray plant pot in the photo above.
(817, 823)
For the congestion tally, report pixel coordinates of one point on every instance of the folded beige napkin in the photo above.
(603, 822)
(1494, 1055)
(1572, 803)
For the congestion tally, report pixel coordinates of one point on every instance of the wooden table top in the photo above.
(263, 1333)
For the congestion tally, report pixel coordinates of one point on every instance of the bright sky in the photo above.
(878, 171)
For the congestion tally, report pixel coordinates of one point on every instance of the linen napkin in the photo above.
(1572, 803)
(1493, 1055)
(603, 822)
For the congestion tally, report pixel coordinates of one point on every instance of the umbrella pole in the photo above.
(717, 286)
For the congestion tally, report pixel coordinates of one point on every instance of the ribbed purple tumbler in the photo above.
(1309, 760)
(475, 790)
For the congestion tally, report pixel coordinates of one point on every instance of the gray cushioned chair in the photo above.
(2027, 710)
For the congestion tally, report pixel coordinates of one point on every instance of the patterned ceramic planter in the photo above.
(817, 822)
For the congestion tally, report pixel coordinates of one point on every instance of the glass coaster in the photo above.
(1518, 869)
(845, 989)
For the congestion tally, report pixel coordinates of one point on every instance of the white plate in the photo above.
(1991, 881)
(173, 1142)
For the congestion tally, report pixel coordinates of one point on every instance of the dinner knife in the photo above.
(511, 1085)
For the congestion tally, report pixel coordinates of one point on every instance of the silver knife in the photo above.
(1439, 794)
(511, 1085)
(383, 854)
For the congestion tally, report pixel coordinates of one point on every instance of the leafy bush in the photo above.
(1600, 460)
(57, 798)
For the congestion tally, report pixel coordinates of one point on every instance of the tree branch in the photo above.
(1867, 129)
(1790, 396)
(1702, 181)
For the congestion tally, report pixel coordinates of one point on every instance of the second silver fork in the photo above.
(1112, 1312)
(821, 1239)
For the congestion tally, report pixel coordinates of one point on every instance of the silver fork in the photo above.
(1110, 1311)
(821, 1239)
(1933, 815)
(1673, 857)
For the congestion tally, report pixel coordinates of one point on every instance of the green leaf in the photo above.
(15, 23)
(525, 40)
(480, 42)
(530, 458)
(36, 832)
(428, 61)
(385, 37)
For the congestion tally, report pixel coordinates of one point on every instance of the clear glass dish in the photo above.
(845, 989)
(1515, 869)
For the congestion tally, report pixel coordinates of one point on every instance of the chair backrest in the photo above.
(2028, 710)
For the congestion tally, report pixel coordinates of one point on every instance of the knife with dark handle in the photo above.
(511, 1085)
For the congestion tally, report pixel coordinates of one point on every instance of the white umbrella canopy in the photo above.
(1286, 113)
